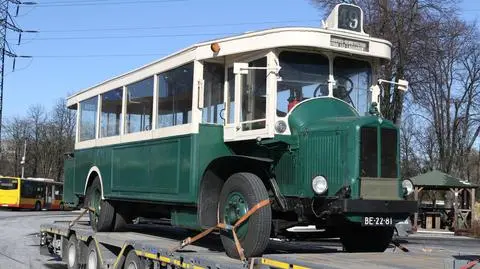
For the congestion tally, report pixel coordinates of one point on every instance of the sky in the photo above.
(81, 43)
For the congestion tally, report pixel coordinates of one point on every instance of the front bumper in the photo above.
(374, 207)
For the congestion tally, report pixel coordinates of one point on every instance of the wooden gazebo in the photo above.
(463, 195)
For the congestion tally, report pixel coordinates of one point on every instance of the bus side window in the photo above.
(175, 96)
(213, 108)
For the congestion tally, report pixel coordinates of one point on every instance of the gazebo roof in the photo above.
(439, 180)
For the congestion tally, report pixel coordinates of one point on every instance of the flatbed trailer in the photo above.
(154, 243)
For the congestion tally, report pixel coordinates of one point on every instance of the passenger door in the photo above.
(248, 101)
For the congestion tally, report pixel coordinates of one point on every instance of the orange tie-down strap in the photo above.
(223, 226)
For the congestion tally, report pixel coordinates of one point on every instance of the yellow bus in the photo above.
(31, 193)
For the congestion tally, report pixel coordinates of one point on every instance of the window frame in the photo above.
(154, 133)
(231, 131)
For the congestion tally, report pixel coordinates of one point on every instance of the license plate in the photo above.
(377, 221)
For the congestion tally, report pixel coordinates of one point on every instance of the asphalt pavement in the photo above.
(19, 247)
(18, 233)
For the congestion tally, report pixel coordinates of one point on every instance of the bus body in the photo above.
(202, 136)
(30, 193)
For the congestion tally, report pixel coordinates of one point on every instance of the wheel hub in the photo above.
(92, 260)
(95, 204)
(71, 255)
(236, 206)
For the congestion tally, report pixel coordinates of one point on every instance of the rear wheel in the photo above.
(102, 216)
(93, 261)
(240, 193)
(133, 261)
(356, 238)
(72, 252)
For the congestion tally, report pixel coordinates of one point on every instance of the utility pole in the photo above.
(7, 23)
(23, 158)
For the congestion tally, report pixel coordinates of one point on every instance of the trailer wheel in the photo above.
(101, 219)
(240, 193)
(72, 252)
(93, 261)
(133, 261)
(356, 238)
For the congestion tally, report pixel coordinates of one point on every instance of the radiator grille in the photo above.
(389, 153)
(368, 152)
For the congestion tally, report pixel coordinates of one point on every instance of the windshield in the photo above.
(352, 82)
(8, 183)
(303, 75)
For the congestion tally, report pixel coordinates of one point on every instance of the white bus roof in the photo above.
(361, 44)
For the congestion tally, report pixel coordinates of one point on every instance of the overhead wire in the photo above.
(186, 26)
(100, 55)
(101, 3)
(131, 36)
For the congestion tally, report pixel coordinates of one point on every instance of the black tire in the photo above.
(257, 235)
(133, 261)
(102, 219)
(38, 206)
(72, 253)
(93, 260)
(62, 207)
(356, 238)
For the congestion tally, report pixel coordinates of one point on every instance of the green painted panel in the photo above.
(131, 168)
(84, 160)
(166, 174)
(69, 196)
(163, 170)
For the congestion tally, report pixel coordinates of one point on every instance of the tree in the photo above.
(448, 95)
(48, 137)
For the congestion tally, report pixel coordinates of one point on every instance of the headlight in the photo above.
(319, 184)
(280, 126)
(407, 184)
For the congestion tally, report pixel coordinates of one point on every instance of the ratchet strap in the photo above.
(471, 264)
(85, 210)
(226, 227)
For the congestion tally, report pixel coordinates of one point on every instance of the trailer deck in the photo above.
(154, 243)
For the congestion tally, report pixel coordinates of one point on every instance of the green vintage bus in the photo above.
(287, 115)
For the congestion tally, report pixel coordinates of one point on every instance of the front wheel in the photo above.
(240, 193)
(356, 238)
